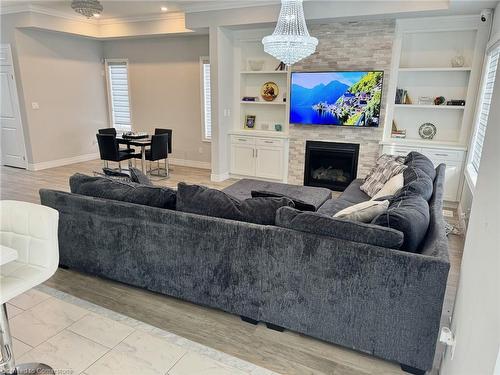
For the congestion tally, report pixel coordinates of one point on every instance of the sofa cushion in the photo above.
(298, 203)
(410, 215)
(417, 160)
(332, 206)
(354, 194)
(417, 182)
(315, 196)
(363, 212)
(201, 200)
(387, 167)
(102, 187)
(138, 177)
(317, 223)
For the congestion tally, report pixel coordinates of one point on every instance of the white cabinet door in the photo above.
(243, 159)
(269, 162)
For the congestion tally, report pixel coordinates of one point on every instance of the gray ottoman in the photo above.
(311, 195)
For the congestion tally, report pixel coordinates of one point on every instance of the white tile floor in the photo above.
(76, 337)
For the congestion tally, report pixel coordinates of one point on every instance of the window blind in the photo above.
(484, 107)
(119, 95)
(207, 103)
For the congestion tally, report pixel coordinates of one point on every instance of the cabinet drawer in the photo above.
(398, 150)
(433, 153)
(269, 142)
(242, 140)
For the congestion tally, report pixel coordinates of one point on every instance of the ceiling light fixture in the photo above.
(164, 9)
(87, 8)
(290, 41)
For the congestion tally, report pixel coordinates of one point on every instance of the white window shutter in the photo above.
(119, 95)
(207, 101)
(484, 107)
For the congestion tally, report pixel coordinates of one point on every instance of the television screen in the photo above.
(336, 98)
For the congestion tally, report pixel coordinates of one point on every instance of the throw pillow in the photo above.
(418, 182)
(102, 187)
(410, 215)
(137, 176)
(386, 168)
(201, 200)
(417, 160)
(363, 212)
(114, 174)
(391, 187)
(299, 204)
(316, 223)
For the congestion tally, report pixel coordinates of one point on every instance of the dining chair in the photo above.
(112, 131)
(157, 152)
(170, 134)
(110, 151)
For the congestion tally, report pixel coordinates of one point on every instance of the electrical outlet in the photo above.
(35, 105)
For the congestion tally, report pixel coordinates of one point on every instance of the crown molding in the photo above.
(228, 5)
(33, 8)
(154, 17)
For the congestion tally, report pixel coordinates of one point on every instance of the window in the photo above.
(483, 111)
(206, 99)
(118, 94)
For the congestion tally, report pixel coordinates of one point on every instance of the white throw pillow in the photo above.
(391, 187)
(363, 212)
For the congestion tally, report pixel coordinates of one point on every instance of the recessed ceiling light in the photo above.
(164, 9)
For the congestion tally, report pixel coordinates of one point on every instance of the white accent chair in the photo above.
(30, 230)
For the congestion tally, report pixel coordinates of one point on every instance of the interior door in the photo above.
(12, 138)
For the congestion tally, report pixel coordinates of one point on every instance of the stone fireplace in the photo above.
(330, 164)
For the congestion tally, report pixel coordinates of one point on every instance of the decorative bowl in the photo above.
(269, 91)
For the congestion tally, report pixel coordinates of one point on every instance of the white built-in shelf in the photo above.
(450, 69)
(264, 103)
(426, 106)
(264, 72)
(412, 142)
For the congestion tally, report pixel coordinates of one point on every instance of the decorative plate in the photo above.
(427, 130)
(269, 91)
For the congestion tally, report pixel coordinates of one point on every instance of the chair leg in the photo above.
(9, 365)
(129, 164)
(120, 166)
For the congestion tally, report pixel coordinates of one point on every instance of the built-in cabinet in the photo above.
(256, 156)
(436, 57)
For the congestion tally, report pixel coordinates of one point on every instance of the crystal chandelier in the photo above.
(87, 8)
(290, 41)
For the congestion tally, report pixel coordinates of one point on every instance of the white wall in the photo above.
(63, 74)
(165, 88)
(476, 317)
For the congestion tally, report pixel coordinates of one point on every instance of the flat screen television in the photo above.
(336, 98)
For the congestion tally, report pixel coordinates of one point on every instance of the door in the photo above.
(452, 180)
(12, 138)
(243, 159)
(269, 162)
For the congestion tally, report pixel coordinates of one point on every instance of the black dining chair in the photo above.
(159, 131)
(112, 131)
(157, 152)
(109, 151)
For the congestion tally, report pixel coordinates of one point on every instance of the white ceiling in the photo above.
(130, 8)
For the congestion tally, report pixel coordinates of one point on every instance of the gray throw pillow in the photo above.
(387, 167)
(316, 223)
(410, 215)
(417, 182)
(137, 176)
(114, 174)
(201, 200)
(102, 187)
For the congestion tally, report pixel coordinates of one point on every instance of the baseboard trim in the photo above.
(219, 177)
(61, 162)
(190, 163)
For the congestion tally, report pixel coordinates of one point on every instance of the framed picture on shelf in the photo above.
(250, 122)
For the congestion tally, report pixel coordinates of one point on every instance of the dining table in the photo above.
(137, 142)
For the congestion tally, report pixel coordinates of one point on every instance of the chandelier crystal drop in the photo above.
(290, 41)
(87, 8)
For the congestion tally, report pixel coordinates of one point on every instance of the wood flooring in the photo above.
(286, 352)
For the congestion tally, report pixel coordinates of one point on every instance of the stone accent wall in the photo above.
(361, 45)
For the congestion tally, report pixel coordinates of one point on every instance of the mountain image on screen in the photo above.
(336, 98)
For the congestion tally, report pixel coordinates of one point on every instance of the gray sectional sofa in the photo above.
(374, 299)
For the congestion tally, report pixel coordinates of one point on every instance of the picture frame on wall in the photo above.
(250, 121)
